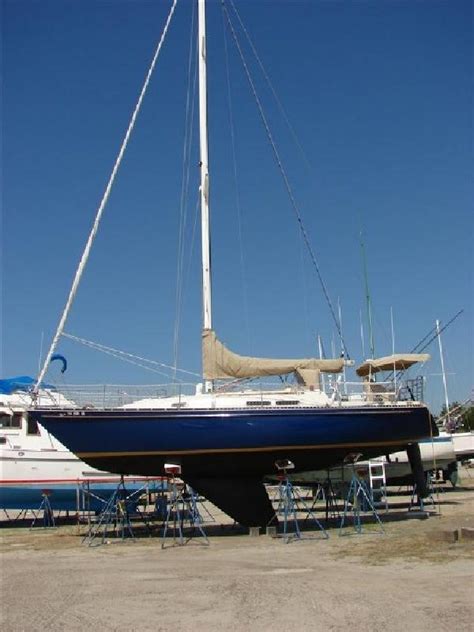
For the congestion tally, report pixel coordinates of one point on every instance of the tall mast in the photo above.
(393, 350)
(342, 344)
(441, 355)
(204, 165)
(367, 298)
(321, 355)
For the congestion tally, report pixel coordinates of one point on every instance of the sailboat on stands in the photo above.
(225, 440)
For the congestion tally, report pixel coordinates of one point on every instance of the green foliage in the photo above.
(453, 406)
(462, 416)
(468, 418)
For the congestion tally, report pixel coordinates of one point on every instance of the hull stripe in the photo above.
(167, 415)
(61, 481)
(324, 446)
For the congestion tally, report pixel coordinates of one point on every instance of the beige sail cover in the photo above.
(220, 363)
(397, 362)
(309, 377)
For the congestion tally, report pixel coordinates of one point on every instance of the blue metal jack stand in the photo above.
(417, 500)
(114, 519)
(48, 515)
(290, 503)
(358, 497)
(196, 501)
(332, 510)
(325, 492)
(183, 512)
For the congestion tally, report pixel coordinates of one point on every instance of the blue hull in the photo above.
(62, 496)
(224, 454)
(206, 441)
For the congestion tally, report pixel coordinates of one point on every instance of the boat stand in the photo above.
(358, 499)
(318, 495)
(325, 492)
(83, 502)
(115, 518)
(290, 503)
(48, 515)
(183, 513)
(22, 515)
(197, 501)
(416, 502)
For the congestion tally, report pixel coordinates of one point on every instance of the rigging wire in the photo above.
(128, 357)
(95, 226)
(430, 333)
(193, 238)
(367, 296)
(305, 284)
(418, 348)
(272, 89)
(295, 140)
(285, 178)
(187, 144)
(236, 187)
(436, 334)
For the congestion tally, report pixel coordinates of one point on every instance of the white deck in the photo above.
(189, 396)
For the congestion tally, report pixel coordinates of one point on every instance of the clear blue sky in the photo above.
(380, 96)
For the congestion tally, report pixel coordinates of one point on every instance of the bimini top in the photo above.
(396, 362)
(220, 363)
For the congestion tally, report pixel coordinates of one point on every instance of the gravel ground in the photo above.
(409, 577)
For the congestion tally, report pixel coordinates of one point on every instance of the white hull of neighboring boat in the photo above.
(463, 445)
(436, 454)
(34, 464)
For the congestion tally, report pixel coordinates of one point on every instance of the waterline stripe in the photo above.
(326, 446)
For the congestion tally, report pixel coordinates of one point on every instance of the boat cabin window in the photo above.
(10, 421)
(259, 402)
(5, 421)
(32, 427)
(3, 439)
(287, 402)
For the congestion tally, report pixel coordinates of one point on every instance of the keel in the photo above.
(243, 499)
(419, 478)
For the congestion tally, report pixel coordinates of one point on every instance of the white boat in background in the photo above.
(34, 464)
(452, 421)
(463, 445)
(437, 455)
